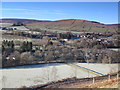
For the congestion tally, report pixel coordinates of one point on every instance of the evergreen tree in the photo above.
(27, 46)
(23, 46)
(12, 46)
(30, 46)
(3, 48)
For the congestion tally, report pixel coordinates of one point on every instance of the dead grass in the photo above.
(113, 83)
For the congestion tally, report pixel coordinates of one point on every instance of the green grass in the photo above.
(19, 27)
(5, 24)
(9, 25)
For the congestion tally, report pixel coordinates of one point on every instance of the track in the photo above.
(86, 69)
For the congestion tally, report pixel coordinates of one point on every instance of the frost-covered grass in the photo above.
(43, 73)
(101, 68)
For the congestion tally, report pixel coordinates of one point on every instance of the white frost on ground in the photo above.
(101, 68)
(18, 77)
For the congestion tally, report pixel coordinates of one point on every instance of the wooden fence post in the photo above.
(109, 77)
(117, 76)
(93, 80)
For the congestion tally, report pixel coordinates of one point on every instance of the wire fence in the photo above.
(74, 80)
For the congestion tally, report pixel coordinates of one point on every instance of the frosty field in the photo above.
(40, 74)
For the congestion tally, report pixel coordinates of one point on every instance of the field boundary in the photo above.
(74, 80)
(86, 69)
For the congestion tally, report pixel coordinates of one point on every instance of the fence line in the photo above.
(75, 80)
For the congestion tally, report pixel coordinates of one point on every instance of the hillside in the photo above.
(74, 25)
(25, 21)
